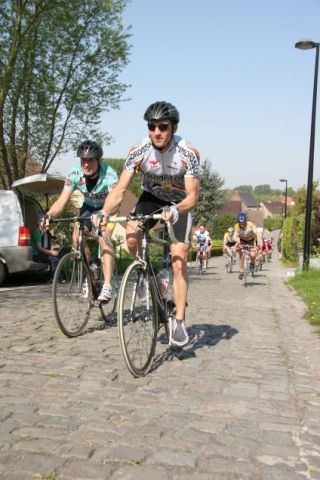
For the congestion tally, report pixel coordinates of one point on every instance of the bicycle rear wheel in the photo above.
(137, 319)
(72, 295)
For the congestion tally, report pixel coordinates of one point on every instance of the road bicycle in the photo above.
(230, 260)
(249, 265)
(145, 304)
(75, 288)
(201, 260)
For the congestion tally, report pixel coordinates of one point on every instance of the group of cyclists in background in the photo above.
(244, 235)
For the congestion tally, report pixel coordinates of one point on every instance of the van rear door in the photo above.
(39, 185)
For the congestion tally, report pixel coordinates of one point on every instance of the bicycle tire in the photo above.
(71, 308)
(137, 325)
(108, 309)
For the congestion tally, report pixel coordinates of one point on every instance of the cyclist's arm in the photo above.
(58, 206)
(115, 197)
(192, 195)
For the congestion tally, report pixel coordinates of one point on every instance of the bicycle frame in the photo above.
(144, 258)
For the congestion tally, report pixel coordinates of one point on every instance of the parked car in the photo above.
(19, 214)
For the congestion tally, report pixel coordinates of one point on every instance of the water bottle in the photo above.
(163, 281)
(95, 270)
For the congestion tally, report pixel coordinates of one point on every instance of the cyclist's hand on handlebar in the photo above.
(170, 214)
(99, 219)
(44, 221)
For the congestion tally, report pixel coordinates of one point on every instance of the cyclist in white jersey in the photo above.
(170, 177)
(201, 237)
(94, 180)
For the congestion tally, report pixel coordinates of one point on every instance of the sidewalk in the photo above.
(242, 402)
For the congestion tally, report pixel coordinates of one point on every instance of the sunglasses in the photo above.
(163, 127)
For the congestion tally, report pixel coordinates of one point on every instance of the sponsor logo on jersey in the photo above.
(81, 182)
(133, 156)
(154, 163)
(192, 160)
(68, 182)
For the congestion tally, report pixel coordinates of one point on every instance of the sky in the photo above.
(244, 92)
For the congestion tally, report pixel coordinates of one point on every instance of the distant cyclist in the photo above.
(201, 239)
(247, 235)
(94, 180)
(230, 241)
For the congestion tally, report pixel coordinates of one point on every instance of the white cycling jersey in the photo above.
(201, 237)
(164, 172)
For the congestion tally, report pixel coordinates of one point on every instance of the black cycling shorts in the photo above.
(249, 243)
(148, 204)
(86, 211)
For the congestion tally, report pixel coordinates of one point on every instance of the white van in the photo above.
(19, 213)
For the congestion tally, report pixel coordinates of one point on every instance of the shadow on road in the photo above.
(200, 335)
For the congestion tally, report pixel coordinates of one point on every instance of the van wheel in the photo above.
(3, 273)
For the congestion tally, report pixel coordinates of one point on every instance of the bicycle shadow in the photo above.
(102, 324)
(200, 335)
(253, 281)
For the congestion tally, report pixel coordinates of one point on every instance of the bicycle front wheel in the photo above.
(137, 319)
(72, 295)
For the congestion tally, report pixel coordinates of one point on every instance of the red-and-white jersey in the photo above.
(164, 172)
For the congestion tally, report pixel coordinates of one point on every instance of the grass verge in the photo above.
(307, 285)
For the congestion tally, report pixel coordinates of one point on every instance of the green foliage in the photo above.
(244, 188)
(135, 185)
(293, 231)
(211, 195)
(271, 223)
(263, 190)
(307, 284)
(219, 225)
(60, 66)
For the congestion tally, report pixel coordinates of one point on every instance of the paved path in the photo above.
(242, 403)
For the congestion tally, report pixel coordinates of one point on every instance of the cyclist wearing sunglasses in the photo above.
(170, 178)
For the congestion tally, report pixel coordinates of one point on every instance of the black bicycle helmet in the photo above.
(162, 111)
(89, 149)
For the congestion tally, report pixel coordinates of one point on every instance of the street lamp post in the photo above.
(307, 45)
(285, 196)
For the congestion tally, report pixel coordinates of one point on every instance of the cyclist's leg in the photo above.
(146, 205)
(133, 237)
(241, 263)
(107, 255)
(179, 253)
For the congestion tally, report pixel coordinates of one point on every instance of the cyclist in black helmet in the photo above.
(94, 180)
(170, 177)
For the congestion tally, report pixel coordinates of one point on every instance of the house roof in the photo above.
(275, 208)
(249, 200)
(230, 207)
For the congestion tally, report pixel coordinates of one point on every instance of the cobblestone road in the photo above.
(242, 403)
